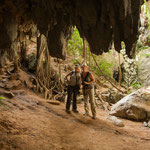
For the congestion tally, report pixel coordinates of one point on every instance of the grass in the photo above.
(1, 98)
(147, 55)
(2, 103)
(137, 85)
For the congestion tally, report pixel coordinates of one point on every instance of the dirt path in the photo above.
(28, 122)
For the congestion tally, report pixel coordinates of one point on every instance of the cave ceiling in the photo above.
(100, 22)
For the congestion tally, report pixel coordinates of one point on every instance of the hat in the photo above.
(84, 64)
(76, 66)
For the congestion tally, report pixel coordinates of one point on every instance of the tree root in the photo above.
(104, 104)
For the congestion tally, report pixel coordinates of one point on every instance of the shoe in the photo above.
(94, 117)
(86, 114)
(68, 111)
(75, 111)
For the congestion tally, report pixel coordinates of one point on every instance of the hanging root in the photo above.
(106, 78)
(50, 87)
(42, 89)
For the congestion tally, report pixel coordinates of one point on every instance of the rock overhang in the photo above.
(101, 22)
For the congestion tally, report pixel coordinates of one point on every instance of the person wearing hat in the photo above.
(74, 84)
(88, 91)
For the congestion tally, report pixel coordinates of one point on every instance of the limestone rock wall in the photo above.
(99, 21)
(130, 71)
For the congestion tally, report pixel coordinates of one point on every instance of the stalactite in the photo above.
(99, 21)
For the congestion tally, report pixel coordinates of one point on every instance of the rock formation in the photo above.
(143, 59)
(130, 70)
(99, 21)
(135, 106)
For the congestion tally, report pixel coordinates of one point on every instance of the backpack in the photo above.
(74, 79)
(87, 86)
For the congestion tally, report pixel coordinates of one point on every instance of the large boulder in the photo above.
(135, 106)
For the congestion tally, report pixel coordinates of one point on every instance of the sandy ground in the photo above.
(28, 122)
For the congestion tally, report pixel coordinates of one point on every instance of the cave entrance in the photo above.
(78, 47)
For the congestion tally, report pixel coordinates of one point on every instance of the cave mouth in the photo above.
(99, 22)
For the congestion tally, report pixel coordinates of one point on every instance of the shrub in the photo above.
(137, 85)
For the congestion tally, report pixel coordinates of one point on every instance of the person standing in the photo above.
(88, 91)
(73, 88)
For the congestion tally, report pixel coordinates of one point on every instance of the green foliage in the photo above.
(75, 48)
(148, 38)
(140, 46)
(147, 55)
(105, 66)
(1, 98)
(137, 85)
(2, 103)
(75, 45)
(123, 45)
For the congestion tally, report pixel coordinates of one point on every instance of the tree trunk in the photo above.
(14, 55)
(23, 53)
(120, 72)
(89, 59)
(84, 49)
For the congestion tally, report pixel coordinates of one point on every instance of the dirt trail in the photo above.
(28, 122)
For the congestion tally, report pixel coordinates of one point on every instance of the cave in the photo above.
(100, 22)
(33, 95)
